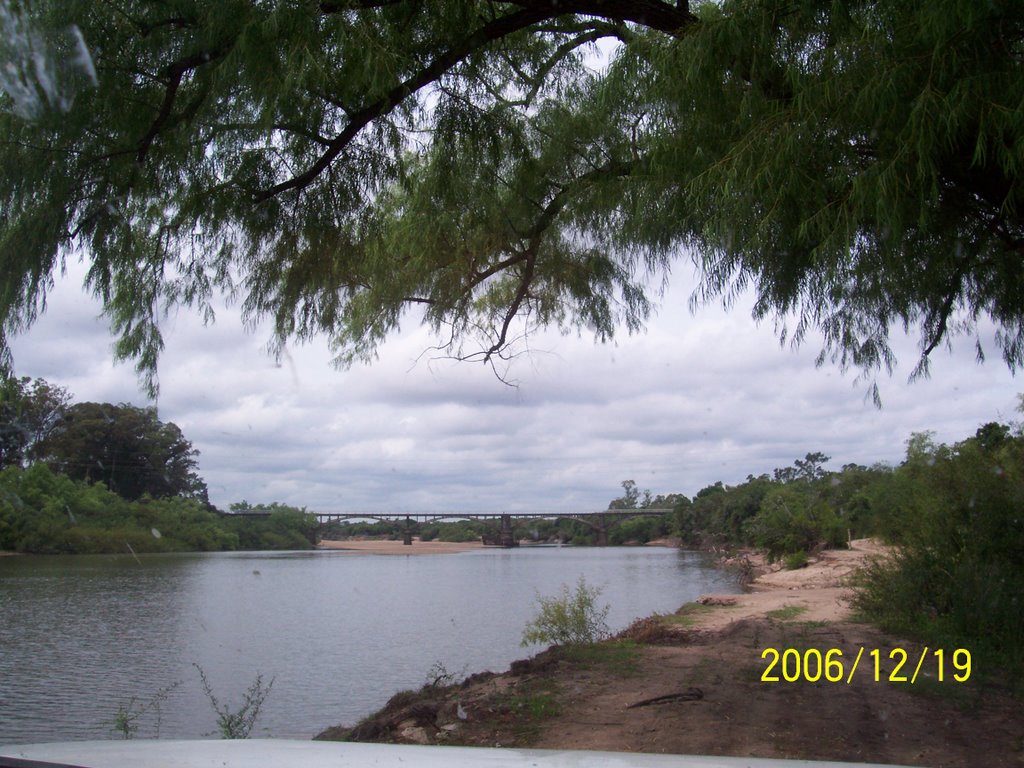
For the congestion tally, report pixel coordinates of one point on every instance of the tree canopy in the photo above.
(126, 448)
(30, 409)
(341, 166)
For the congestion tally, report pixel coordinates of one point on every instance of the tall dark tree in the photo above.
(856, 164)
(29, 410)
(127, 448)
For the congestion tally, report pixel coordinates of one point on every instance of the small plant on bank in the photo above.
(795, 560)
(570, 618)
(126, 720)
(238, 724)
(787, 612)
(438, 676)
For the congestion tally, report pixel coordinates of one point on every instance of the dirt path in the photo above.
(697, 678)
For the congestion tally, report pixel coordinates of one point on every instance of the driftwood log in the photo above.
(690, 694)
(709, 600)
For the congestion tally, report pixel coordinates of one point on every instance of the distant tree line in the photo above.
(97, 477)
(561, 530)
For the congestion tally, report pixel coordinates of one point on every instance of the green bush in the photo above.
(571, 618)
(795, 560)
(237, 723)
(957, 576)
(792, 520)
(638, 529)
(121, 540)
(42, 511)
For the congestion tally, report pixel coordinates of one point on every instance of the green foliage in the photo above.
(718, 513)
(787, 612)
(571, 618)
(29, 411)
(792, 521)
(127, 719)
(455, 530)
(689, 614)
(797, 509)
(575, 533)
(639, 530)
(538, 706)
(272, 526)
(619, 656)
(795, 560)
(237, 724)
(630, 498)
(807, 470)
(390, 529)
(42, 511)
(530, 703)
(855, 164)
(958, 572)
(127, 448)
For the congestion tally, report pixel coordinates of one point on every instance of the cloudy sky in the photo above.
(695, 399)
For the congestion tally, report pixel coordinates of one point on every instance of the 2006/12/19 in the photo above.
(791, 665)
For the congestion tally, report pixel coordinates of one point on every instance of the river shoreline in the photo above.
(692, 683)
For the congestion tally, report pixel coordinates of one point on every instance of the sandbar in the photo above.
(388, 547)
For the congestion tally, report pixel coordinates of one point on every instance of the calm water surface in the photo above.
(338, 632)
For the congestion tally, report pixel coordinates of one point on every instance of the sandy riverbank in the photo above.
(695, 686)
(385, 547)
(819, 591)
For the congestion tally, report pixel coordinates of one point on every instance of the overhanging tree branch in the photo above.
(175, 73)
(544, 221)
(488, 33)
(663, 17)
(655, 15)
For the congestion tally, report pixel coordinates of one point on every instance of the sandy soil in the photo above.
(383, 547)
(704, 669)
(818, 590)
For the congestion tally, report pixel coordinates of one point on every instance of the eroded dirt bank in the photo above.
(692, 683)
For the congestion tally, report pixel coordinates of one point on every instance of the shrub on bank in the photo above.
(792, 521)
(44, 512)
(957, 577)
(571, 618)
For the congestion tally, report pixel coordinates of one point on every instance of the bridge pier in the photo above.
(506, 537)
(602, 531)
(407, 536)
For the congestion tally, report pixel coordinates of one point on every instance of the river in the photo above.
(337, 632)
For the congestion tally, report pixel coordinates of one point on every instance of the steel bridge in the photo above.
(601, 521)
